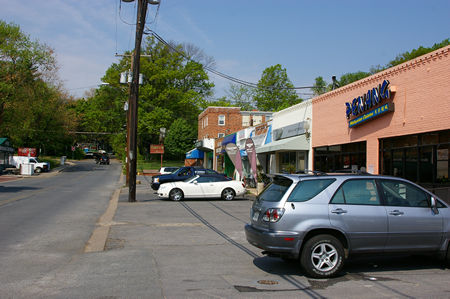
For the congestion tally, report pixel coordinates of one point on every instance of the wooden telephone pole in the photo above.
(133, 100)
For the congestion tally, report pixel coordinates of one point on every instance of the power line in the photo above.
(220, 74)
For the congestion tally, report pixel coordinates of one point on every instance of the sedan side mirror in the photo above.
(195, 182)
(434, 206)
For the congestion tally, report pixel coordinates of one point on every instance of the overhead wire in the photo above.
(220, 74)
(207, 68)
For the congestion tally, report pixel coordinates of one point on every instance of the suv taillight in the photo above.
(273, 215)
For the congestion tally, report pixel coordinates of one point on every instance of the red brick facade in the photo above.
(231, 121)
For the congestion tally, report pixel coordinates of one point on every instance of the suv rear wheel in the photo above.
(322, 256)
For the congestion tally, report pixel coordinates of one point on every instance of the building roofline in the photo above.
(390, 72)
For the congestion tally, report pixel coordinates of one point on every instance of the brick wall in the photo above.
(422, 104)
(208, 121)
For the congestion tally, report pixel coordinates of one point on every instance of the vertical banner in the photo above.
(251, 153)
(235, 156)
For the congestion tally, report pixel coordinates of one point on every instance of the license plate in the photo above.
(255, 216)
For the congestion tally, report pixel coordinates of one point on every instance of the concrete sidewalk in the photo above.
(190, 249)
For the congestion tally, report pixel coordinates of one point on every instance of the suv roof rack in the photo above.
(313, 172)
(352, 171)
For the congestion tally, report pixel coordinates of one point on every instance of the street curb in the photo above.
(97, 241)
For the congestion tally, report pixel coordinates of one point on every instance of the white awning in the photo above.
(297, 143)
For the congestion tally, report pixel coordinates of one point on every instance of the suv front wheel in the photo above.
(322, 256)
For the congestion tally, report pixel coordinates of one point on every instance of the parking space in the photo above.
(200, 250)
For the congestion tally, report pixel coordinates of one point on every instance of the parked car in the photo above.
(167, 170)
(17, 161)
(322, 219)
(202, 186)
(181, 174)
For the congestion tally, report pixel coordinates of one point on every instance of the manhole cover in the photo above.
(267, 282)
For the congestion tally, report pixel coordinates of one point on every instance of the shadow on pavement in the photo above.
(359, 266)
(4, 189)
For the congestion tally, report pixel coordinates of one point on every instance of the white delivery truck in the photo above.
(38, 166)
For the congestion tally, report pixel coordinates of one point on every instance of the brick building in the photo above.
(395, 122)
(217, 122)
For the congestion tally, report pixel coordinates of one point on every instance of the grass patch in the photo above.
(149, 165)
(54, 161)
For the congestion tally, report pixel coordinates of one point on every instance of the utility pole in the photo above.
(133, 99)
(127, 160)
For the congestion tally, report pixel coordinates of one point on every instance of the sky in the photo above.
(307, 38)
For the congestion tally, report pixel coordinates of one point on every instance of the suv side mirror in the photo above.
(434, 206)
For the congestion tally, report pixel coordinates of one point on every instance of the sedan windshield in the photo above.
(275, 191)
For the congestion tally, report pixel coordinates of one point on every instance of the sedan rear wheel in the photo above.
(176, 195)
(228, 194)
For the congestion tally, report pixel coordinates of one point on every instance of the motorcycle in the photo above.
(103, 160)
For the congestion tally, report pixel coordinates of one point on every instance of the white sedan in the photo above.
(202, 186)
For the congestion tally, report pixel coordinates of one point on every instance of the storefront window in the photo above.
(288, 162)
(397, 163)
(422, 158)
(411, 165)
(426, 164)
(351, 156)
(443, 163)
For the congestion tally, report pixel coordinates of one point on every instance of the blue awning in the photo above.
(194, 154)
(269, 135)
(229, 139)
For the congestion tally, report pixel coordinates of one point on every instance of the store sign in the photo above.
(289, 131)
(388, 107)
(367, 101)
(156, 148)
(27, 152)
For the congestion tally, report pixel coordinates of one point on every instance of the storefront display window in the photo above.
(288, 162)
(422, 158)
(350, 156)
(443, 163)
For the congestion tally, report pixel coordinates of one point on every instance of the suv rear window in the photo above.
(275, 191)
(305, 190)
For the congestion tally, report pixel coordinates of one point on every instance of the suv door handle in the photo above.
(339, 211)
(396, 213)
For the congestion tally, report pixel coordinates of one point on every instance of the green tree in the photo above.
(406, 56)
(275, 91)
(320, 86)
(32, 108)
(348, 78)
(241, 96)
(180, 139)
(175, 87)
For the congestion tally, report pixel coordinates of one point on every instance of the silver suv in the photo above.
(322, 219)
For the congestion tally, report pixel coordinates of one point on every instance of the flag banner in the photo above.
(251, 153)
(235, 157)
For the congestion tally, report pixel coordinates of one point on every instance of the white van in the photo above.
(38, 166)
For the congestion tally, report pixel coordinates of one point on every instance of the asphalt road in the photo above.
(45, 221)
(162, 249)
